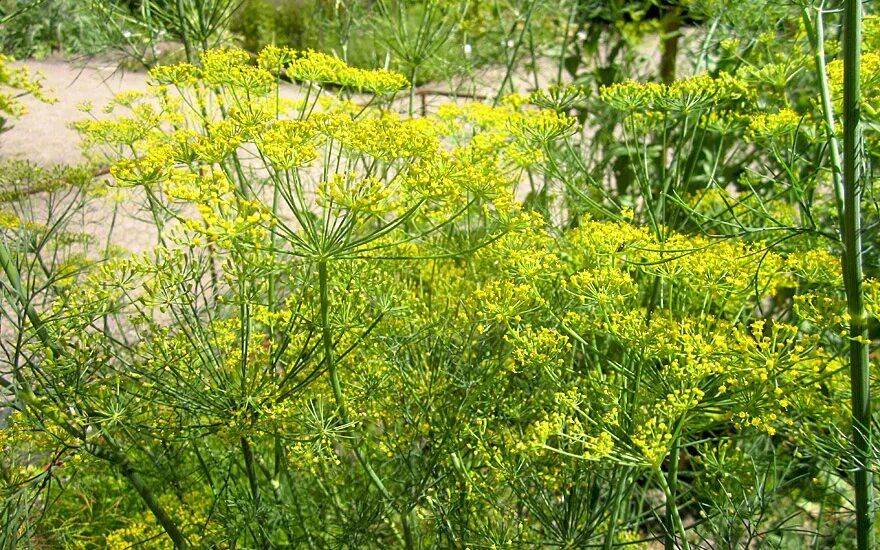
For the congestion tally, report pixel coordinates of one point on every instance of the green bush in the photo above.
(37, 28)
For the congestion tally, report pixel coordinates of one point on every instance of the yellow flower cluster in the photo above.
(782, 124)
(290, 144)
(505, 302)
(388, 137)
(544, 349)
(231, 69)
(15, 82)
(870, 81)
(693, 348)
(653, 439)
(605, 289)
(560, 98)
(147, 170)
(684, 97)
(570, 432)
(346, 192)
(318, 67)
(122, 131)
(872, 297)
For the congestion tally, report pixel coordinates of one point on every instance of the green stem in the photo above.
(152, 503)
(564, 49)
(184, 32)
(673, 525)
(148, 19)
(620, 490)
(14, 277)
(852, 273)
(670, 35)
(248, 454)
(512, 60)
(327, 340)
(339, 396)
(816, 33)
(412, 89)
(672, 509)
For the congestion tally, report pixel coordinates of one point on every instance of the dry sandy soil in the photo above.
(44, 136)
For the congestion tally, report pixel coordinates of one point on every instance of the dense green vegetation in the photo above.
(619, 289)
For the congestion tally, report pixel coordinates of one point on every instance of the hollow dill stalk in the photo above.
(852, 273)
(339, 396)
(184, 32)
(674, 516)
(620, 488)
(672, 525)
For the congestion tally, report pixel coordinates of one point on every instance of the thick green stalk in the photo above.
(672, 509)
(619, 490)
(673, 524)
(339, 396)
(184, 32)
(327, 340)
(669, 38)
(248, 454)
(151, 501)
(148, 19)
(852, 273)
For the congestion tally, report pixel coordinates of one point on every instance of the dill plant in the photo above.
(744, 155)
(15, 83)
(351, 332)
(247, 301)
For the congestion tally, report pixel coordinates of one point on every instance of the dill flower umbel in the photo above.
(15, 82)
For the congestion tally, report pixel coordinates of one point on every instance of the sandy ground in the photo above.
(44, 136)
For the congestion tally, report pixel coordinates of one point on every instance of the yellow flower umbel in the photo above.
(14, 83)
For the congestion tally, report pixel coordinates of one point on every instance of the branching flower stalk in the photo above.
(815, 29)
(675, 517)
